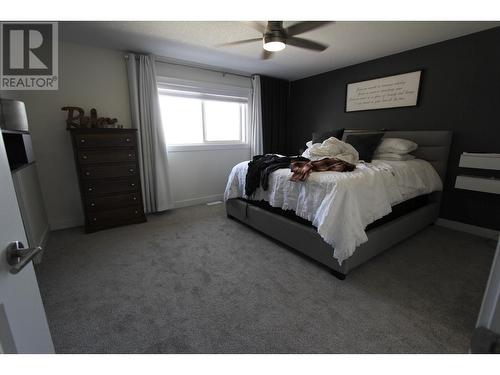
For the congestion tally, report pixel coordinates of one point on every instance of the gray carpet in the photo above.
(193, 281)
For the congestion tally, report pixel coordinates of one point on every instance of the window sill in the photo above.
(207, 147)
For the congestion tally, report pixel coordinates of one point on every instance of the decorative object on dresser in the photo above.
(108, 171)
(79, 120)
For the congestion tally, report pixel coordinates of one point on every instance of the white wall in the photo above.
(199, 175)
(89, 77)
(165, 69)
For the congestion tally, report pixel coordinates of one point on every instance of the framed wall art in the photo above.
(388, 92)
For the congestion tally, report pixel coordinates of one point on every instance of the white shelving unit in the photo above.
(483, 184)
(480, 161)
(476, 183)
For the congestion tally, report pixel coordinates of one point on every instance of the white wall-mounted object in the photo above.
(480, 161)
(482, 184)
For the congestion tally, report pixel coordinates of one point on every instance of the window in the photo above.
(200, 118)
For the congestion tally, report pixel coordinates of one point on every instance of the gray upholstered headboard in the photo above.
(433, 146)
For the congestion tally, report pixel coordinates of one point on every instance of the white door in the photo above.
(23, 325)
(489, 315)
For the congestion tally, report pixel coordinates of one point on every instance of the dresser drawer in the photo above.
(95, 188)
(112, 202)
(108, 156)
(108, 171)
(104, 140)
(112, 218)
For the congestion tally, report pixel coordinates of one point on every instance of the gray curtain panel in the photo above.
(255, 123)
(146, 117)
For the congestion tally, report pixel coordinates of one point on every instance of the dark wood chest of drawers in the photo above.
(108, 171)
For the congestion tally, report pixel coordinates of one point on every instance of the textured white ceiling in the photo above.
(350, 42)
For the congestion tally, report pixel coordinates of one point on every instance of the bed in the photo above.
(351, 227)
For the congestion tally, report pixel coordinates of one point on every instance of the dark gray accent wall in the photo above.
(460, 91)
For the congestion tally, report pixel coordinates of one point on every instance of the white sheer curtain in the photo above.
(146, 117)
(255, 123)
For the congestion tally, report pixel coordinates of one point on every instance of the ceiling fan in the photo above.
(275, 37)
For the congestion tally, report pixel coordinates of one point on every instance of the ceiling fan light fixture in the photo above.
(275, 37)
(274, 44)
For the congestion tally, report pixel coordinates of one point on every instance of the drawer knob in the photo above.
(136, 212)
(134, 198)
(87, 173)
(90, 189)
(84, 157)
(92, 204)
(129, 155)
(94, 219)
(82, 140)
(131, 170)
(132, 184)
(127, 140)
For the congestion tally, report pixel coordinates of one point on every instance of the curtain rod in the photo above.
(193, 65)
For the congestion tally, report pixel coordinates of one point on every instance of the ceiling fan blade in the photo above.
(244, 41)
(302, 27)
(257, 25)
(306, 43)
(265, 55)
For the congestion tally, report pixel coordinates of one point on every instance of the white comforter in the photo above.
(341, 205)
(331, 148)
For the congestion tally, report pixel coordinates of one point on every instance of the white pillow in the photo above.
(392, 156)
(395, 146)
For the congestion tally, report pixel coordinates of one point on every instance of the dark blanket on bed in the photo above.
(261, 166)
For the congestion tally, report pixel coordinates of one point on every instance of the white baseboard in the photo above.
(468, 228)
(197, 201)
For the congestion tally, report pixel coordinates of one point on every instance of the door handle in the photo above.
(18, 257)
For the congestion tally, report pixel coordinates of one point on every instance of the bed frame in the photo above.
(433, 146)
